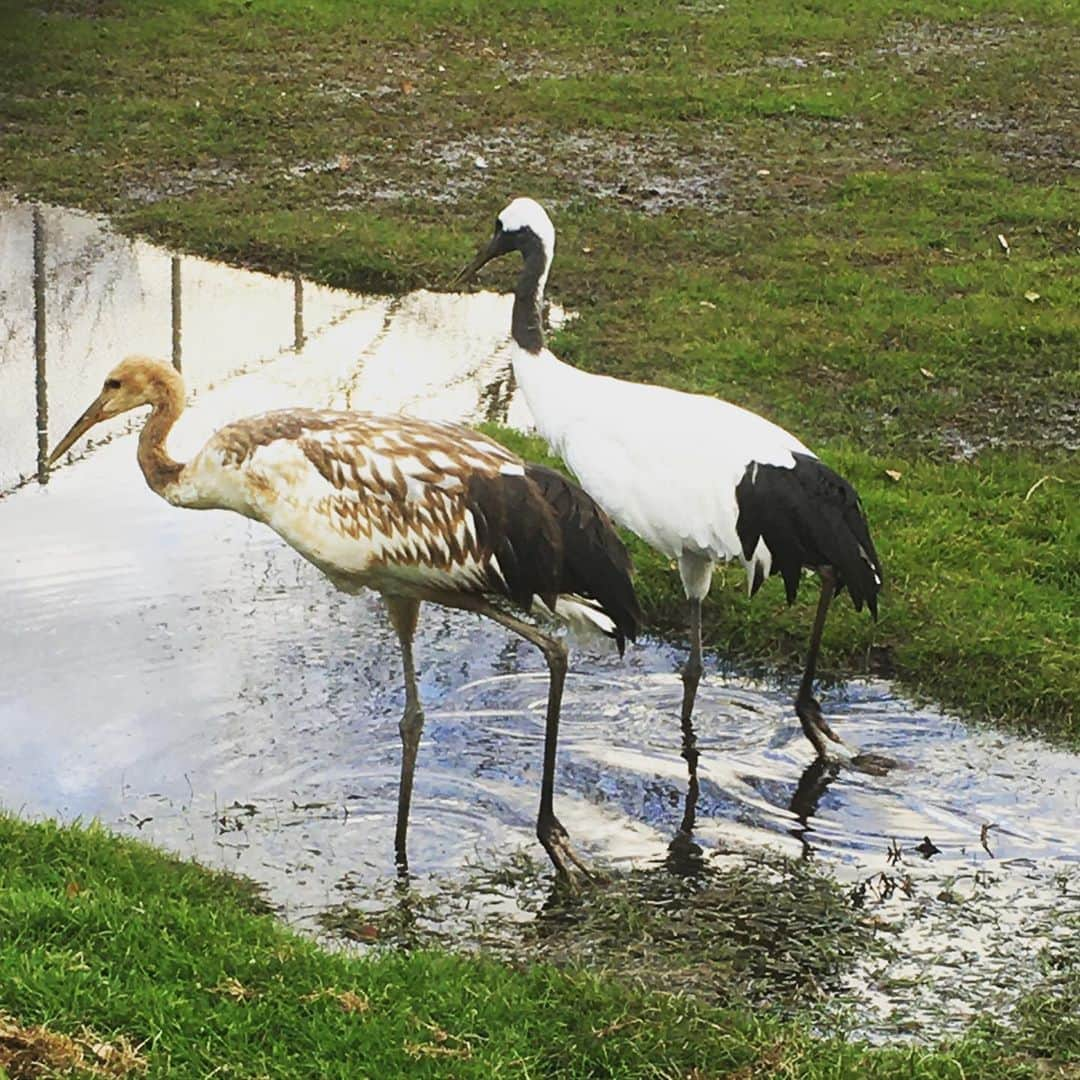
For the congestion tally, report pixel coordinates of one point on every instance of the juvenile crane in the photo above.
(415, 510)
(699, 479)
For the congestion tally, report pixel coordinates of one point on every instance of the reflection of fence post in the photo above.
(39, 347)
(298, 312)
(176, 347)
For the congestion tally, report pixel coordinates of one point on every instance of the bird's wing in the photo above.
(808, 515)
(666, 464)
(595, 563)
(367, 497)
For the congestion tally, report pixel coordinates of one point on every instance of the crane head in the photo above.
(520, 225)
(135, 381)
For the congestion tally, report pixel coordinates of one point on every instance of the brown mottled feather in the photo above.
(441, 496)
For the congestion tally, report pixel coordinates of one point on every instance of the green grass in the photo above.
(793, 206)
(110, 935)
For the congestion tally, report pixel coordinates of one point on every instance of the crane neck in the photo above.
(527, 320)
(160, 470)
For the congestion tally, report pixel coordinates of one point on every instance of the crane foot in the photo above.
(569, 866)
(815, 726)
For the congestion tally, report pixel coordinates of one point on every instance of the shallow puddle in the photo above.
(186, 678)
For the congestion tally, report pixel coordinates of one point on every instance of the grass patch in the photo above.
(728, 932)
(797, 208)
(148, 952)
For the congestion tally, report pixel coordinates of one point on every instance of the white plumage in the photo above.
(607, 430)
(699, 479)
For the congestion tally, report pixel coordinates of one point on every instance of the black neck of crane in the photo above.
(527, 322)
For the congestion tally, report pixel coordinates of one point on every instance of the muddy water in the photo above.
(186, 678)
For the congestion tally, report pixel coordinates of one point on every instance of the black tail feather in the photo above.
(809, 516)
(595, 562)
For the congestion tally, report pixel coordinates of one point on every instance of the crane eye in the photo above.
(112, 384)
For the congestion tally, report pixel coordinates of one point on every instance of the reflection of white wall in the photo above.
(18, 438)
(230, 317)
(106, 297)
(437, 357)
(431, 354)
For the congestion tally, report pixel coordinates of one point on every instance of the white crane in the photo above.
(699, 479)
(415, 510)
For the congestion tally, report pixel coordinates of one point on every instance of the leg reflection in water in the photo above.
(685, 857)
(813, 783)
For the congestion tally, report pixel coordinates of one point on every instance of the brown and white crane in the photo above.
(418, 511)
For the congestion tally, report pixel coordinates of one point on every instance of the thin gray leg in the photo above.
(549, 830)
(691, 676)
(404, 613)
(814, 725)
(696, 571)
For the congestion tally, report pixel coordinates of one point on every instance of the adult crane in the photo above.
(699, 479)
(418, 511)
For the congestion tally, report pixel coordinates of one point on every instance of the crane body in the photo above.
(698, 478)
(416, 510)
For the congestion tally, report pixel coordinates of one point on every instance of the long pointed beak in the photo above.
(467, 273)
(93, 415)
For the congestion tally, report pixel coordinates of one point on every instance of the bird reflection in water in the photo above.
(812, 785)
(685, 857)
(815, 781)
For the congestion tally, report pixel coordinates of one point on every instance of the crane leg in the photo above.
(691, 676)
(549, 830)
(404, 613)
(814, 725)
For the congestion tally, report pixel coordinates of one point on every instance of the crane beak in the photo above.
(93, 415)
(467, 273)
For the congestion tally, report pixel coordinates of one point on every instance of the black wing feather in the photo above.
(514, 522)
(549, 537)
(809, 516)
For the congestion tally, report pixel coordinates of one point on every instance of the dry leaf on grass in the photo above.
(233, 988)
(35, 1051)
(443, 1045)
(349, 1000)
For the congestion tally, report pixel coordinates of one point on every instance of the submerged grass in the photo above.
(170, 962)
(739, 929)
(854, 218)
